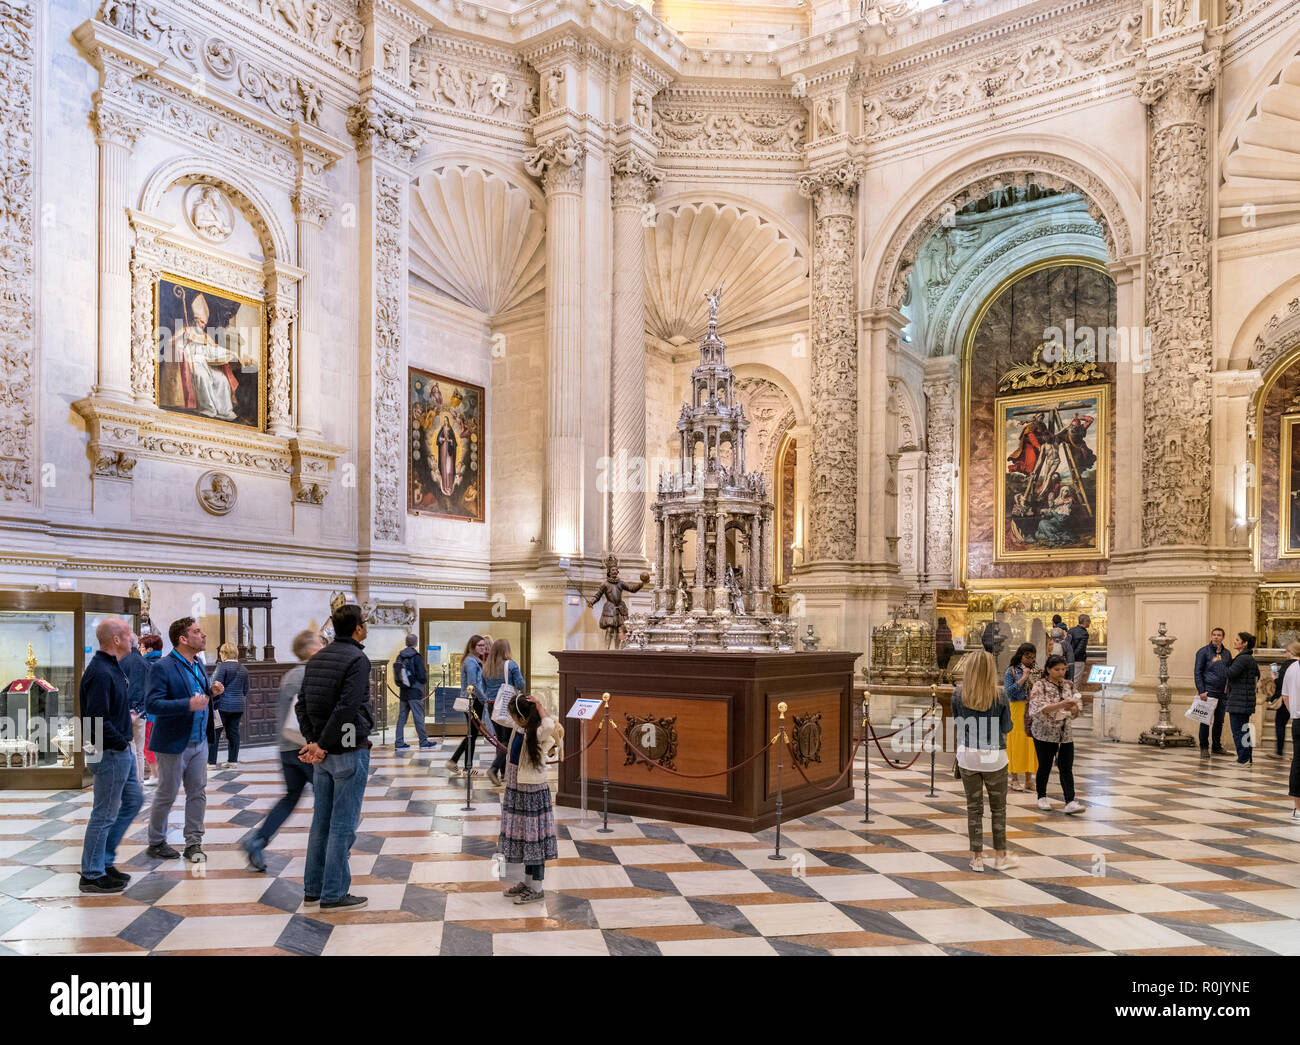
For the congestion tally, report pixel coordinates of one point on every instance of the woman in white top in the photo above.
(1291, 694)
(983, 720)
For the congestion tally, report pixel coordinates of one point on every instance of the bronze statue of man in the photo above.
(614, 613)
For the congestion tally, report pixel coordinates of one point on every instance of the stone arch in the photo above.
(772, 374)
(911, 419)
(1269, 332)
(1050, 161)
(246, 196)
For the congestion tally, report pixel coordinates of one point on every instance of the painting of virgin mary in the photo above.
(446, 421)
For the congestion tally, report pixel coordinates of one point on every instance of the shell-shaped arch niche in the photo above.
(1261, 173)
(692, 247)
(478, 239)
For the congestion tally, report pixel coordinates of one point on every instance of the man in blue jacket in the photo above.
(1212, 681)
(118, 796)
(178, 698)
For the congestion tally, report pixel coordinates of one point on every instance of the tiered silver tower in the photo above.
(722, 597)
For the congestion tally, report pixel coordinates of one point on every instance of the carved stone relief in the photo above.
(217, 493)
(833, 456)
(17, 251)
(389, 133)
(389, 435)
(473, 89)
(681, 125)
(940, 478)
(1177, 393)
(558, 163)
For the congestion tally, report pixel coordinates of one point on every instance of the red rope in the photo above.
(834, 783)
(892, 763)
(689, 776)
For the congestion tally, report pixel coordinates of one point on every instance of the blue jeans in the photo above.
(118, 797)
(1239, 722)
(297, 775)
(339, 783)
(415, 708)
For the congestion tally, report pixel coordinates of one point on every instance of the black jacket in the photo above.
(1078, 639)
(1243, 673)
(1212, 675)
(334, 710)
(136, 670)
(415, 673)
(104, 697)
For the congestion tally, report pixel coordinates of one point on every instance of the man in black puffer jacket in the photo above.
(335, 718)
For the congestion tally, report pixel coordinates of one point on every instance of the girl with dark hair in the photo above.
(1243, 676)
(471, 686)
(1053, 702)
(498, 670)
(1017, 681)
(527, 819)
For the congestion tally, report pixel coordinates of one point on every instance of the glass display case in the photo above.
(444, 633)
(46, 639)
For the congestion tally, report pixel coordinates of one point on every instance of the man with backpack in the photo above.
(411, 676)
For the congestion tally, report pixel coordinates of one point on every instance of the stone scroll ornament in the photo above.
(834, 452)
(1177, 394)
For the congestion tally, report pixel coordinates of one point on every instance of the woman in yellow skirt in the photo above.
(1017, 682)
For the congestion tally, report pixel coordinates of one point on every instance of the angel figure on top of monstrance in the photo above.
(614, 613)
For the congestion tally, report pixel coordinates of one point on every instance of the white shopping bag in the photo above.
(1203, 710)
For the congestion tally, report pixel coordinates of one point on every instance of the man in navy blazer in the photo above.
(179, 692)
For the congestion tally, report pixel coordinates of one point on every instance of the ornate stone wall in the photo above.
(1177, 392)
(17, 252)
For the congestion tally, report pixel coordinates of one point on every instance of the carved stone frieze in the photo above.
(558, 163)
(474, 89)
(1177, 392)
(691, 126)
(389, 430)
(833, 456)
(385, 131)
(18, 393)
(940, 478)
(894, 104)
(391, 614)
(280, 320)
(1280, 335)
(634, 179)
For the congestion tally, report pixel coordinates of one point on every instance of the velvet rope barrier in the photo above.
(554, 762)
(839, 779)
(690, 776)
(890, 761)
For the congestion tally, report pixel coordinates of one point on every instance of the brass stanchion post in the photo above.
(604, 787)
(780, 763)
(934, 705)
(469, 752)
(866, 756)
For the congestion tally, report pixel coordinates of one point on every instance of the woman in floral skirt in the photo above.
(527, 838)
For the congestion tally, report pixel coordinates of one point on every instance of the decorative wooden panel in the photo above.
(827, 704)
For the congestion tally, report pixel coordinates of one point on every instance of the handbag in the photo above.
(1202, 710)
(501, 706)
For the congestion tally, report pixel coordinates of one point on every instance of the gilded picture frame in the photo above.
(446, 462)
(210, 353)
(1288, 477)
(1053, 491)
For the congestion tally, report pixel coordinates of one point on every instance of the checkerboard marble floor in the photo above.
(1174, 855)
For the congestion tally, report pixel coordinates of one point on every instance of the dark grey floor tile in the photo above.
(629, 946)
(649, 878)
(287, 896)
(722, 916)
(391, 867)
(428, 904)
(304, 936)
(460, 941)
(149, 930)
(873, 921)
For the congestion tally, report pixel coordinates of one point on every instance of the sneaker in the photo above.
(195, 854)
(1074, 807)
(1016, 785)
(255, 858)
(102, 884)
(476, 772)
(1006, 863)
(516, 890)
(150, 781)
(310, 902)
(530, 895)
(344, 903)
(453, 768)
(162, 851)
(116, 875)
(227, 765)
(1205, 752)
(495, 778)
(427, 745)
(1044, 803)
(977, 865)
(1220, 751)
(400, 747)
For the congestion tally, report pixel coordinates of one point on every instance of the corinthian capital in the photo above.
(312, 205)
(1196, 77)
(384, 131)
(832, 188)
(113, 125)
(558, 163)
(635, 179)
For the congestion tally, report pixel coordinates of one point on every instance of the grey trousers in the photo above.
(190, 768)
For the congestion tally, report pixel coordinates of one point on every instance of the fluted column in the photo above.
(559, 163)
(311, 211)
(834, 405)
(1177, 393)
(116, 136)
(634, 181)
